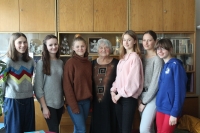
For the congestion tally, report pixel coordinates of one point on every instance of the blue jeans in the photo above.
(20, 115)
(79, 120)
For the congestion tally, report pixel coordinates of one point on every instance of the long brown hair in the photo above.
(135, 46)
(46, 56)
(12, 52)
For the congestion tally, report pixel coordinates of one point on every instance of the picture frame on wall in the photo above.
(92, 44)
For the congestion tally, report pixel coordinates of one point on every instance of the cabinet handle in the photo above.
(165, 11)
(21, 10)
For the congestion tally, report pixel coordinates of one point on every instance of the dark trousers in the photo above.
(55, 117)
(19, 115)
(125, 110)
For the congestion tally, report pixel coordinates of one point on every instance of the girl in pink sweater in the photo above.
(128, 84)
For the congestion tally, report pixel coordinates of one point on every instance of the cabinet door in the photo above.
(37, 15)
(178, 15)
(110, 15)
(75, 15)
(146, 15)
(9, 15)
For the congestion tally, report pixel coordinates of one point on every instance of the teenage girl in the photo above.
(152, 66)
(18, 103)
(128, 84)
(171, 88)
(48, 83)
(77, 84)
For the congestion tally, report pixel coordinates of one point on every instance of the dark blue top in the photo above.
(171, 88)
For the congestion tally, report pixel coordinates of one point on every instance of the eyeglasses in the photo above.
(160, 49)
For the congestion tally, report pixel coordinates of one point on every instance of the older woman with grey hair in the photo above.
(104, 73)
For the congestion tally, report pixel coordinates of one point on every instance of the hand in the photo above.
(46, 113)
(141, 107)
(172, 121)
(117, 97)
(113, 97)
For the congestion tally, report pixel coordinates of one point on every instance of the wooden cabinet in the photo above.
(110, 15)
(37, 15)
(75, 15)
(92, 15)
(162, 15)
(9, 15)
(146, 15)
(27, 16)
(40, 123)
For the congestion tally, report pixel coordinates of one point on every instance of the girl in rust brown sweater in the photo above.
(77, 83)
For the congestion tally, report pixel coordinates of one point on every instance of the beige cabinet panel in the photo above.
(179, 15)
(37, 15)
(75, 15)
(162, 15)
(40, 123)
(9, 16)
(110, 15)
(146, 15)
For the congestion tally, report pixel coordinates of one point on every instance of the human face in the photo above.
(163, 54)
(21, 45)
(148, 42)
(128, 43)
(52, 46)
(103, 50)
(79, 48)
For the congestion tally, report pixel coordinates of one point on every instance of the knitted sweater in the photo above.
(152, 67)
(50, 86)
(77, 81)
(19, 79)
(129, 80)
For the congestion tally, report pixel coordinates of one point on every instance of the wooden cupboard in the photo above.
(75, 15)
(9, 15)
(28, 15)
(162, 15)
(37, 15)
(110, 15)
(92, 15)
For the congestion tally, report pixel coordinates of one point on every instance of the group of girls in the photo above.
(154, 82)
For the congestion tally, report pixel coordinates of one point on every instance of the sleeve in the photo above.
(180, 80)
(114, 88)
(135, 78)
(68, 86)
(4, 70)
(39, 80)
(153, 87)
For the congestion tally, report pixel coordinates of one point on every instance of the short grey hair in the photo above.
(105, 42)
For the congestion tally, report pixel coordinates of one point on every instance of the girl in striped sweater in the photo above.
(18, 91)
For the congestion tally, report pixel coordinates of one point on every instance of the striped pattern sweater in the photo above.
(18, 84)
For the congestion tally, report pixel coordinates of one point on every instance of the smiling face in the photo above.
(163, 54)
(103, 50)
(21, 45)
(79, 47)
(128, 43)
(148, 42)
(52, 45)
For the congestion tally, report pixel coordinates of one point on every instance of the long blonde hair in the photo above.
(135, 46)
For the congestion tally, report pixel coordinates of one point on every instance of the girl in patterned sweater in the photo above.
(18, 91)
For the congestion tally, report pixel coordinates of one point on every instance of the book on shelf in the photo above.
(182, 45)
(190, 82)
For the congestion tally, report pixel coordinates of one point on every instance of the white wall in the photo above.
(198, 47)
